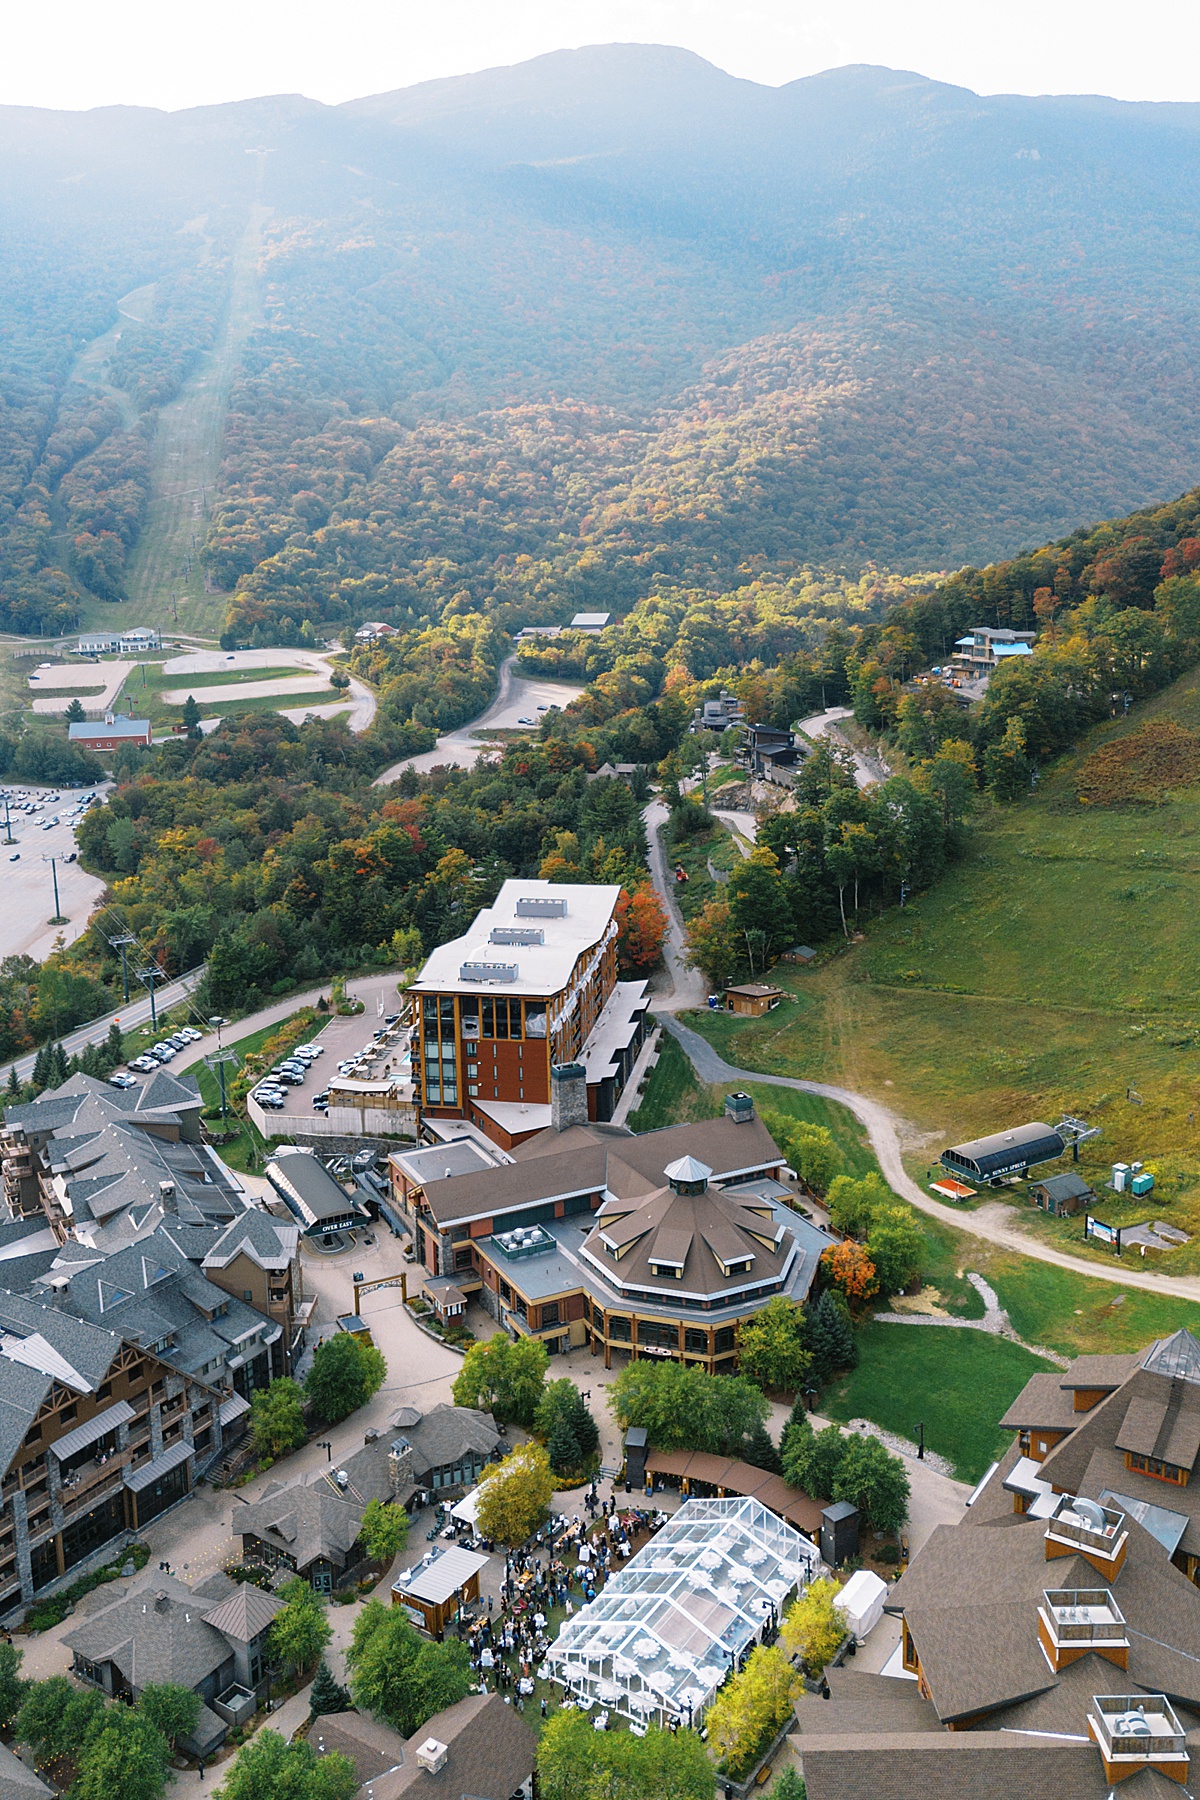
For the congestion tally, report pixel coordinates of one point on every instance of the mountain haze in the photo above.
(612, 316)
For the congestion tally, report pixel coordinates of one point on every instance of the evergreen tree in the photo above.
(760, 1452)
(41, 1064)
(831, 1340)
(60, 1068)
(114, 1045)
(326, 1696)
(75, 714)
(563, 1447)
(191, 717)
(14, 1084)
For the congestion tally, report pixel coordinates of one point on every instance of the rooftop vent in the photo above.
(739, 1107)
(1075, 1621)
(517, 934)
(532, 906)
(1138, 1731)
(488, 971)
(1084, 1528)
(432, 1754)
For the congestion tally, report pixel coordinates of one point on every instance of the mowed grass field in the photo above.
(957, 1383)
(1055, 968)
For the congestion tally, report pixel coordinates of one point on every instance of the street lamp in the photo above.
(59, 916)
(921, 1441)
(327, 1447)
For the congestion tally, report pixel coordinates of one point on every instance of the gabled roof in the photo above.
(587, 1160)
(491, 1754)
(17, 1780)
(266, 1240)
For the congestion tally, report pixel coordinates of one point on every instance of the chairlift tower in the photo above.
(1075, 1132)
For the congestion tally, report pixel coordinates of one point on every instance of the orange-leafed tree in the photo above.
(849, 1269)
(642, 923)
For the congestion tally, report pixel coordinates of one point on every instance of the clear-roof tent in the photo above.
(658, 1642)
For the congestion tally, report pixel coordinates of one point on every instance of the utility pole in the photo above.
(8, 838)
(148, 977)
(120, 944)
(59, 916)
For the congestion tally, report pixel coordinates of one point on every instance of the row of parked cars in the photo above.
(159, 1054)
(271, 1091)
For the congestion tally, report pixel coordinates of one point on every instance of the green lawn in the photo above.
(672, 1095)
(1053, 969)
(959, 1383)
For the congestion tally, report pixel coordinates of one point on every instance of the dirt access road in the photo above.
(885, 1130)
(358, 700)
(516, 698)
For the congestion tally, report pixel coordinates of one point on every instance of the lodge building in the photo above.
(651, 1245)
(531, 984)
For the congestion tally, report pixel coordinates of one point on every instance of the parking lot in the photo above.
(345, 1040)
(25, 928)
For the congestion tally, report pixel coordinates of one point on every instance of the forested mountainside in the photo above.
(604, 325)
(266, 848)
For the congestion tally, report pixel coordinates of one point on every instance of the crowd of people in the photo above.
(565, 1565)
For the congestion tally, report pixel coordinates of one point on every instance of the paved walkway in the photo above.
(884, 1130)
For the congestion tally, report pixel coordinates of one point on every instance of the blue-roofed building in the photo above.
(110, 732)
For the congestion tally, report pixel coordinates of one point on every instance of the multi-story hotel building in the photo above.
(532, 984)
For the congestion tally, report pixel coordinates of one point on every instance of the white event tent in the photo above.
(657, 1643)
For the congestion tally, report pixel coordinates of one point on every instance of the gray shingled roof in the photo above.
(591, 1161)
(245, 1613)
(17, 1780)
(491, 1754)
(156, 1632)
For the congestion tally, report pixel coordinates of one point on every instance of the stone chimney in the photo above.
(400, 1466)
(568, 1096)
(739, 1107)
(431, 1755)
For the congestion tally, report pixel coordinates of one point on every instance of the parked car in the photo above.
(291, 1076)
(275, 1102)
(313, 1049)
(121, 1081)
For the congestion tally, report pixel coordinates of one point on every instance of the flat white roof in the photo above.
(542, 968)
(439, 1580)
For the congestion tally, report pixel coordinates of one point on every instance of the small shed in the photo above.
(449, 1301)
(799, 953)
(752, 999)
(862, 1601)
(1061, 1194)
(433, 1593)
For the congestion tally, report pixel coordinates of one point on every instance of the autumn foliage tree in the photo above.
(642, 926)
(849, 1269)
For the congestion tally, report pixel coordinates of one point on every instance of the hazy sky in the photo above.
(79, 53)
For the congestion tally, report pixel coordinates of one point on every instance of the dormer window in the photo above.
(1156, 1468)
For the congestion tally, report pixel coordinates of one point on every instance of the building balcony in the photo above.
(1085, 1528)
(87, 1476)
(83, 1499)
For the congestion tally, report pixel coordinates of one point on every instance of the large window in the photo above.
(501, 1018)
(655, 1332)
(1156, 1468)
(95, 1528)
(696, 1341)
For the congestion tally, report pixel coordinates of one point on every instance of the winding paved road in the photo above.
(689, 989)
(516, 696)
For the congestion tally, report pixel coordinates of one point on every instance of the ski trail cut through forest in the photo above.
(185, 458)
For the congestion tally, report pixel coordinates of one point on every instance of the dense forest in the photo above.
(601, 328)
(267, 849)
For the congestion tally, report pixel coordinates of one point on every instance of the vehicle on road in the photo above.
(16, 856)
(526, 721)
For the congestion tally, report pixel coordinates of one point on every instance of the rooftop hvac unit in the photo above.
(488, 971)
(517, 934)
(536, 907)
